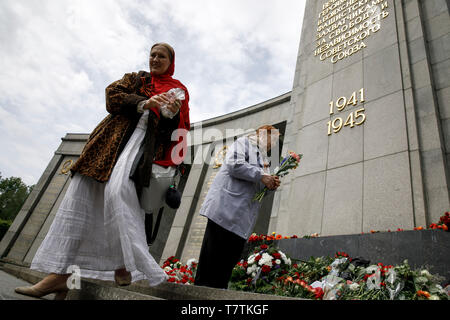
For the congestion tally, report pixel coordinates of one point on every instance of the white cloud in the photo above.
(58, 56)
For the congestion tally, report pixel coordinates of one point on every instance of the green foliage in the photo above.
(313, 269)
(333, 278)
(13, 193)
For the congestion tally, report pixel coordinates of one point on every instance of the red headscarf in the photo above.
(163, 83)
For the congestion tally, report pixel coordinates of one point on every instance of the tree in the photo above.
(13, 193)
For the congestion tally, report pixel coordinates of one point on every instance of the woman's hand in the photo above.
(271, 182)
(174, 107)
(161, 99)
(157, 101)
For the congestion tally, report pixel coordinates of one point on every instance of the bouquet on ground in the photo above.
(258, 272)
(443, 224)
(268, 270)
(288, 163)
(179, 273)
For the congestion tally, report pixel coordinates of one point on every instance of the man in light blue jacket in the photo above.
(230, 208)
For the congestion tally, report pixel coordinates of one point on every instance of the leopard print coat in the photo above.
(108, 139)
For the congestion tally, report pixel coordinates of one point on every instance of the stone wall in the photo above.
(391, 170)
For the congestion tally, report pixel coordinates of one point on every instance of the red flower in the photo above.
(424, 294)
(263, 246)
(318, 292)
(288, 279)
(265, 269)
(258, 257)
(276, 255)
(255, 238)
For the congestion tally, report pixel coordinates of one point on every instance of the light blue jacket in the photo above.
(229, 200)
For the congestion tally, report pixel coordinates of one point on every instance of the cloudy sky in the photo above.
(57, 57)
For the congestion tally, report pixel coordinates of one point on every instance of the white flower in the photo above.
(433, 297)
(278, 261)
(167, 269)
(285, 259)
(252, 269)
(190, 262)
(251, 259)
(426, 274)
(266, 259)
(371, 269)
(354, 286)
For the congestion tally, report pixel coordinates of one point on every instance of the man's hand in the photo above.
(271, 182)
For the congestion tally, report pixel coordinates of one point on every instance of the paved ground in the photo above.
(7, 285)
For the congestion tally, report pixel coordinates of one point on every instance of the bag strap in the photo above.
(174, 179)
(149, 231)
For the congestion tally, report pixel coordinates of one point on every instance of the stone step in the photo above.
(107, 290)
(172, 291)
(9, 282)
(91, 289)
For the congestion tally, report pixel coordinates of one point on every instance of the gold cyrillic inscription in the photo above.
(344, 25)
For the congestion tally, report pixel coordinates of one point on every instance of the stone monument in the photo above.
(369, 109)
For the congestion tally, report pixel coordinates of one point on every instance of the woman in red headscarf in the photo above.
(99, 227)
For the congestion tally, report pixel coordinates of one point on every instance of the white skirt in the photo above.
(99, 227)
